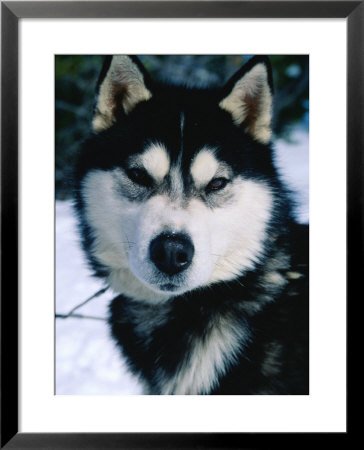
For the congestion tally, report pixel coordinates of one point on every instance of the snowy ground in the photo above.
(87, 361)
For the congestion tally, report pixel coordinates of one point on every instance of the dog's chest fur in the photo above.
(178, 347)
(218, 342)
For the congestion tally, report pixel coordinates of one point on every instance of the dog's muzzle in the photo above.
(171, 253)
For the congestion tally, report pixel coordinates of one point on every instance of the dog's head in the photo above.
(173, 184)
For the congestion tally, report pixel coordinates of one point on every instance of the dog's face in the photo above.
(173, 182)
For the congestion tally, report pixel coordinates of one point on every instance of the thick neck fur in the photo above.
(184, 345)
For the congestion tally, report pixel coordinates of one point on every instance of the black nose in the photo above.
(171, 253)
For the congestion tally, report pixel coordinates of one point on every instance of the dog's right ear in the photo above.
(122, 85)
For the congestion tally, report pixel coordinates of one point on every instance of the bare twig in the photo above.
(81, 316)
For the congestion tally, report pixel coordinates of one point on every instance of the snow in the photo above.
(291, 159)
(87, 360)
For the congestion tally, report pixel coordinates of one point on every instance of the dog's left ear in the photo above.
(248, 98)
(122, 85)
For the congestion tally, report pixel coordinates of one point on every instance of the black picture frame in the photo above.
(353, 11)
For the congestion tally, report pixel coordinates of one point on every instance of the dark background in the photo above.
(76, 77)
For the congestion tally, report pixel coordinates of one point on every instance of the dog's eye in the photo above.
(140, 176)
(216, 184)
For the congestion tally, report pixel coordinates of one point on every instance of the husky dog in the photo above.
(182, 213)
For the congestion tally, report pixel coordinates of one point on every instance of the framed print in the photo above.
(52, 53)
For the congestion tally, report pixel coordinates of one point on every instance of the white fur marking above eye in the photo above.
(204, 167)
(156, 161)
